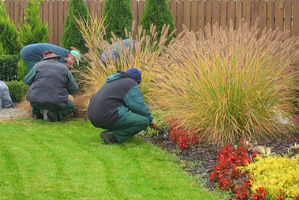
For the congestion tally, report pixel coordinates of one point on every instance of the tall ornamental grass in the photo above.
(228, 84)
(148, 49)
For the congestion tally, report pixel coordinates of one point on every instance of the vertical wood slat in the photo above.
(262, 13)
(134, 7)
(253, 12)
(296, 18)
(140, 10)
(223, 12)
(180, 12)
(271, 15)
(215, 12)
(288, 16)
(231, 12)
(246, 11)
(279, 14)
(208, 13)
(187, 17)
(194, 16)
(201, 15)
(51, 22)
(239, 12)
(60, 22)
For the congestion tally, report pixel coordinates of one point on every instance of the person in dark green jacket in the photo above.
(119, 107)
(50, 84)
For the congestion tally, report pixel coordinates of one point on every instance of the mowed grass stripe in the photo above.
(69, 161)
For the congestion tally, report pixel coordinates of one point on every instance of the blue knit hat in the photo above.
(135, 73)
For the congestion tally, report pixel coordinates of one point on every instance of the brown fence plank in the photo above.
(296, 18)
(239, 12)
(223, 12)
(173, 9)
(215, 12)
(55, 32)
(60, 21)
(134, 8)
(246, 11)
(201, 15)
(187, 17)
(262, 13)
(288, 16)
(279, 14)
(180, 15)
(51, 21)
(194, 15)
(271, 14)
(208, 16)
(253, 12)
(231, 12)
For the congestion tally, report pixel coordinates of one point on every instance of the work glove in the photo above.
(153, 125)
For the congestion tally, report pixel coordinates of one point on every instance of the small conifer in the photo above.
(71, 35)
(157, 12)
(33, 31)
(118, 17)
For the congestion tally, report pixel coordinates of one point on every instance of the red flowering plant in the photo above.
(281, 196)
(183, 138)
(226, 173)
(259, 194)
(296, 118)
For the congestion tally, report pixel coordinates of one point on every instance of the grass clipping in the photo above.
(229, 84)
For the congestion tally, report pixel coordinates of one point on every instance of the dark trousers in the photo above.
(128, 125)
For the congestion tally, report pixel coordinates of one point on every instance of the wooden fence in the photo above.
(195, 14)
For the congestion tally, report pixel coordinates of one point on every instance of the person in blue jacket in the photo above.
(119, 107)
(50, 82)
(33, 53)
(117, 50)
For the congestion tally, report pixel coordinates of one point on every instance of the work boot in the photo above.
(38, 116)
(108, 137)
(53, 116)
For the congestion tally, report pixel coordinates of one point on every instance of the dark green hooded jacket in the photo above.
(120, 94)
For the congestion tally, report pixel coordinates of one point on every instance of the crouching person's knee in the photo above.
(144, 123)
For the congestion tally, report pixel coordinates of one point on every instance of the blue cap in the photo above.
(135, 73)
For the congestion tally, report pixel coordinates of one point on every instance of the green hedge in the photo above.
(17, 90)
(9, 67)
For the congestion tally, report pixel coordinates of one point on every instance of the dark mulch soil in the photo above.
(199, 159)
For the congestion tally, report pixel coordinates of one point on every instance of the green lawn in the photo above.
(68, 160)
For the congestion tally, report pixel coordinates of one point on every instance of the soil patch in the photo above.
(199, 159)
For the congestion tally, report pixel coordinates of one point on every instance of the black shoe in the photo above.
(53, 116)
(108, 137)
(38, 116)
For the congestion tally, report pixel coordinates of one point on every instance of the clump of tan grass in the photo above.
(229, 84)
(147, 51)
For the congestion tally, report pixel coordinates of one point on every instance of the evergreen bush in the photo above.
(71, 36)
(33, 30)
(9, 67)
(17, 90)
(157, 12)
(8, 33)
(118, 16)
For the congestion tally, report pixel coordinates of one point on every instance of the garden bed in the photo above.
(199, 159)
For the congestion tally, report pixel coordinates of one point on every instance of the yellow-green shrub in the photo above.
(229, 84)
(276, 173)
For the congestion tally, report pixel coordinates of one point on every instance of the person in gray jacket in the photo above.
(50, 83)
(5, 99)
(119, 107)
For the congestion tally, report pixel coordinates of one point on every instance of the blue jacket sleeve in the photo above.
(134, 101)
